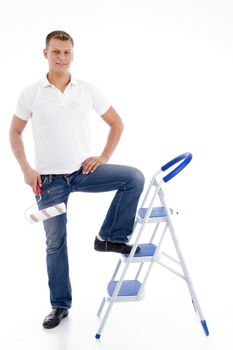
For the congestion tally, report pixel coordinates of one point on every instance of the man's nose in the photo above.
(61, 55)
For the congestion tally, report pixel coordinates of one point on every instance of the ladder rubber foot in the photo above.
(97, 336)
(205, 328)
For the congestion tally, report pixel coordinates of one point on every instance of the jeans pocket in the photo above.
(44, 179)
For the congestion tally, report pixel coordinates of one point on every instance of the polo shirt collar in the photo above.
(46, 83)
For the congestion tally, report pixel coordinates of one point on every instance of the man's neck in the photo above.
(59, 80)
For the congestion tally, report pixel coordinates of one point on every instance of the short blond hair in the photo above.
(58, 34)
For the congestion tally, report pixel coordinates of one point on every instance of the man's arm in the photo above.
(116, 127)
(31, 176)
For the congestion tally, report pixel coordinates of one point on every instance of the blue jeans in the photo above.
(118, 225)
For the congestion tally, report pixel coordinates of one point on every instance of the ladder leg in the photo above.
(197, 306)
(102, 324)
(192, 292)
(113, 298)
(101, 307)
(113, 277)
(139, 271)
(205, 327)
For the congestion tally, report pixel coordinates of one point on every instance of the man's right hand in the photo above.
(32, 178)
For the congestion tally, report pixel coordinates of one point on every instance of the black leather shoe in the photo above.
(106, 246)
(54, 318)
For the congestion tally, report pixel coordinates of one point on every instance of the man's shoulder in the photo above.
(86, 86)
(30, 89)
(82, 83)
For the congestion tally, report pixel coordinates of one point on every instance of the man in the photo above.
(58, 107)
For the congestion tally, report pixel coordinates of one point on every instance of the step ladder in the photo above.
(160, 219)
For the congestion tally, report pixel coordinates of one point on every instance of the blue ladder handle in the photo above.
(186, 157)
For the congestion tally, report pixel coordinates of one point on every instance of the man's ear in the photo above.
(45, 52)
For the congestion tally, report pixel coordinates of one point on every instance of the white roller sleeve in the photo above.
(46, 213)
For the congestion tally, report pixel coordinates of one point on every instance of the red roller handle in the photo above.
(38, 189)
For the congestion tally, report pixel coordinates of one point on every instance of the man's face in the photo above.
(59, 55)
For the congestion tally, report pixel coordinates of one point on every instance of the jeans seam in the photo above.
(117, 207)
(94, 187)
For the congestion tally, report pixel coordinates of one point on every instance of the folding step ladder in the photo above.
(160, 218)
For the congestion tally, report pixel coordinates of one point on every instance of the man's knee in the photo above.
(55, 236)
(55, 244)
(138, 179)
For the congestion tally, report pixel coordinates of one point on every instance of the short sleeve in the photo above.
(22, 109)
(100, 102)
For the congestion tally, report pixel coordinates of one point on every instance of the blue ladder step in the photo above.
(157, 212)
(147, 249)
(128, 288)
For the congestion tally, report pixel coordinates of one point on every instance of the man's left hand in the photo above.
(92, 163)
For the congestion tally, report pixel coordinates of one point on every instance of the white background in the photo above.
(166, 67)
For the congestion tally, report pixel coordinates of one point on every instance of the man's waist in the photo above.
(58, 176)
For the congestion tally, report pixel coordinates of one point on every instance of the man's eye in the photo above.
(56, 52)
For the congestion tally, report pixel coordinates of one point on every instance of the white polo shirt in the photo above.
(60, 123)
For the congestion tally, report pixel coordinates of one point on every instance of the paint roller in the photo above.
(33, 215)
